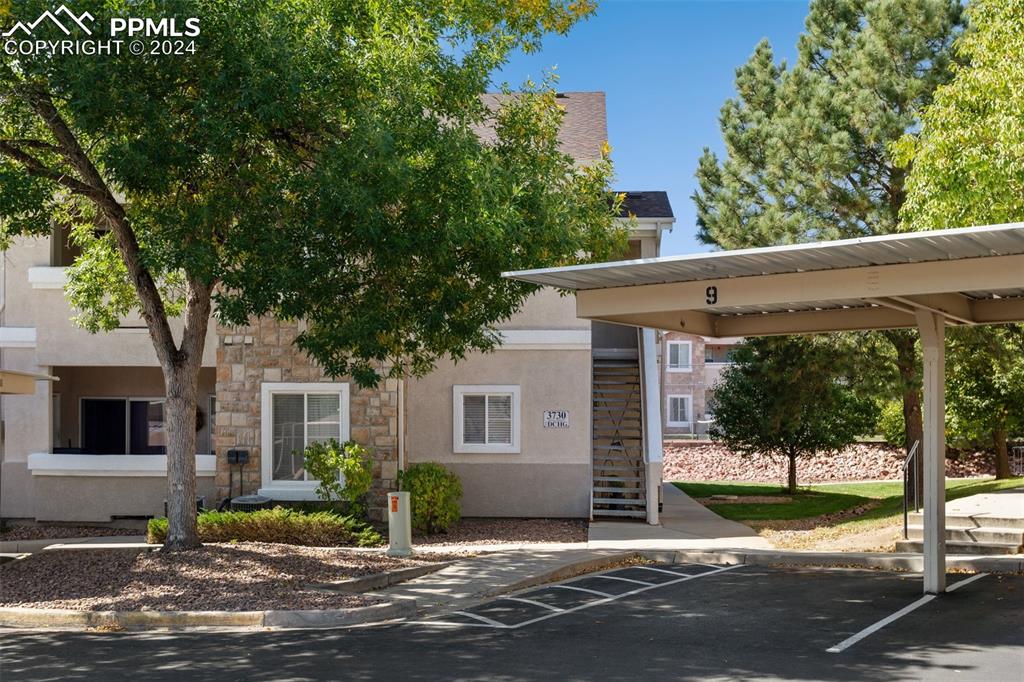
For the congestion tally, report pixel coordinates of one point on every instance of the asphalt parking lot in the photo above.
(661, 621)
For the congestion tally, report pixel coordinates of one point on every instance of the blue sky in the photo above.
(666, 67)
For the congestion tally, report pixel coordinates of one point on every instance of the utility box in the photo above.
(399, 524)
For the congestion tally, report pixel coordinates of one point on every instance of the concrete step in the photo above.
(977, 521)
(963, 547)
(631, 502)
(634, 513)
(973, 534)
(625, 479)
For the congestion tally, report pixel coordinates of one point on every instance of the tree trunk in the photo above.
(182, 532)
(910, 382)
(1002, 454)
(791, 481)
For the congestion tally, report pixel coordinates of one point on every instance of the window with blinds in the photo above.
(298, 419)
(486, 419)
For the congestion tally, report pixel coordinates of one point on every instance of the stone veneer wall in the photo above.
(263, 352)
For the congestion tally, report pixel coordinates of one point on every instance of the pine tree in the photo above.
(808, 146)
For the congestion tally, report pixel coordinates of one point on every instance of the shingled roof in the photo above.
(646, 205)
(584, 127)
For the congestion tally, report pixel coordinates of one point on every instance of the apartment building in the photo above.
(690, 368)
(563, 420)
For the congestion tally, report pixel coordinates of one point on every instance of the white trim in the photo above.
(689, 356)
(294, 490)
(544, 339)
(459, 391)
(42, 277)
(688, 397)
(48, 464)
(17, 337)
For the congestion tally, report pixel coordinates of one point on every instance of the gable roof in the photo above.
(584, 127)
(646, 205)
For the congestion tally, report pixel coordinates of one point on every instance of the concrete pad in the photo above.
(1004, 504)
(685, 524)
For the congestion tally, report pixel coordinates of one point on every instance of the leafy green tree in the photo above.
(967, 163)
(967, 168)
(985, 383)
(784, 398)
(316, 160)
(807, 147)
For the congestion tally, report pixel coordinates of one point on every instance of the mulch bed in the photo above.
(473, 531)
(248, 576)
(65, 532)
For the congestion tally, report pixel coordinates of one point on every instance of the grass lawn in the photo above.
(884, 499)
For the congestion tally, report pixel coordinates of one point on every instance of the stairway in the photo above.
(619, 482)
(974, 534)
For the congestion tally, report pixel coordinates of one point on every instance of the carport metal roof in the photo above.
(970, 275)
(928, 280)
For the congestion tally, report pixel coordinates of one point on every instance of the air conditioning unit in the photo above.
(248, 503)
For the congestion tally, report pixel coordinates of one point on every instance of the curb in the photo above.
(566, 571)
(28, 546)
(20, 617)
(379, 581)
(890, 562)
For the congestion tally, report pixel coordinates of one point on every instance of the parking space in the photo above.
(687, 622)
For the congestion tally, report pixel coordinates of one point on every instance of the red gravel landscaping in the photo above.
(860, 462)
(217, 577)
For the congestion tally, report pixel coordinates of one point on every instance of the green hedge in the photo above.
(286, 526)
(435, 494)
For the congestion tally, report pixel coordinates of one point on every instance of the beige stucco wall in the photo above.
(119, 363)
(59, 341)
(550, 476)
(546, 309)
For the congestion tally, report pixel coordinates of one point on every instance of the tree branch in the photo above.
(37, 168)
(149, 295)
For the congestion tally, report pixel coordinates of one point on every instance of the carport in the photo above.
(927, 280)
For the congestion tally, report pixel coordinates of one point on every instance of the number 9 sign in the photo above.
(711, 295)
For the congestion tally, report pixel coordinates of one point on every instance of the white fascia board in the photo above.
(114, 466)
(17, 337)
(544, 339)
(47, 277)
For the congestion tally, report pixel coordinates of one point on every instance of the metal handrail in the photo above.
(906, 468)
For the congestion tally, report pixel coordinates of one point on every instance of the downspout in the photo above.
(652, 421)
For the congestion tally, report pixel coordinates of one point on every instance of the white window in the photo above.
(293, 416)
(678, 409)
(486, 419)
(680, 356)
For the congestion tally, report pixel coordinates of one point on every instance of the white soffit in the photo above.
(970, 275)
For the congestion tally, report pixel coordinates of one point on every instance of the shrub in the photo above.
(891, 424)
(286, 526)
(435, 494)
(324, 460)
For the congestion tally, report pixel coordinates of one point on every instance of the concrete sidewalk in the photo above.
(473, 580)
(685, 524)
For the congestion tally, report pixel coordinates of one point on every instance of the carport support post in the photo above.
(933, 345)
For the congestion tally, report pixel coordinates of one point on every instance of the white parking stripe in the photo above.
(482, 619)
(850, 641)
(605, 599)
(584, 589)
(535, 603)
(965, 581)
(638, 590)
(625, 580)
